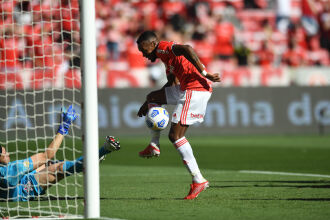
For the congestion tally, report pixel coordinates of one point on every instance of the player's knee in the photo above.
(173, 137)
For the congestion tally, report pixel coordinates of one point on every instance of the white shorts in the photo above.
(190, 105)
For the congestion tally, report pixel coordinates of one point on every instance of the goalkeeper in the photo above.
(26, 179)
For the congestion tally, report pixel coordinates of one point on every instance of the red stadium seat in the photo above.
(8, 80)
(121, 79)
(268, 73)
(238, 77)
(72, 79)
(43, 79)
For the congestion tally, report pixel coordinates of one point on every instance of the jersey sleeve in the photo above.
(165, 50)
(15, 170)
(170, 48)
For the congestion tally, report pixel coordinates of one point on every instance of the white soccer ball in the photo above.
(157, 118)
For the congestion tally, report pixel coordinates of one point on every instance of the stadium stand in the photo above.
(241, 39)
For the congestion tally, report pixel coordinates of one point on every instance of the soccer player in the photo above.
(190, 99)
(26, 179)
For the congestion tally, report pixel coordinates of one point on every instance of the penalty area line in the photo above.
(283, 173)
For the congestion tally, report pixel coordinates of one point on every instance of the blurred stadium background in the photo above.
(251, 42)
(273, 56)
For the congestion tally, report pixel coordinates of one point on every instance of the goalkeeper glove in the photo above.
(66, 119)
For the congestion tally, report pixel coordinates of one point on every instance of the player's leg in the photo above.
(155, 99)
(76, 166)
(110, 144)
(58, 171)
(61, 169)
(180, 142)
(190, 109)
(199, 183)
(153, 148)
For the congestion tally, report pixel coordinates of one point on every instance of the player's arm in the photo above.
(188, 52)
(155, 96)
(170, 80)
(67, 118)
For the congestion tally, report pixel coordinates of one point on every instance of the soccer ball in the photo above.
(157, 118)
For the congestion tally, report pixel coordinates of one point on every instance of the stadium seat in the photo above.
(121, 79)
(72, 79)
(10, 80)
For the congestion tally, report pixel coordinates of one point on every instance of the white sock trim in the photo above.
(178, 143)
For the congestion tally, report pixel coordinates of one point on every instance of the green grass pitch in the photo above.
(137, 188)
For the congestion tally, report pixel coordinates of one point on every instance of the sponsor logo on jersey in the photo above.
(196, 115)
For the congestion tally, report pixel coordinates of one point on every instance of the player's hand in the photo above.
(214, 77)
(143, 109)
(67, 117)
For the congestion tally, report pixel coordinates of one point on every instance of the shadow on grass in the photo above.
(152, 198)
(66, 198)
(273, 181)
(137, 199)
(278, 186)
(290, 199)
(102, 198)
(318, 184)
(315, 184)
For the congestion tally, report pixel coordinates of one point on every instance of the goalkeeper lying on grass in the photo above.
(26, 179)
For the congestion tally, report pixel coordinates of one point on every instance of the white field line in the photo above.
(53, 215)
(283, 173)
(179, 173)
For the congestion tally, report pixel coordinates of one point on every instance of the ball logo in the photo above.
(154, 113)
(161, 123)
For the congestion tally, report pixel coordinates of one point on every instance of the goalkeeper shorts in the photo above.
(29, 187)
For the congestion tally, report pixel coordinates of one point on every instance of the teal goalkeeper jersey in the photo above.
(10, 178)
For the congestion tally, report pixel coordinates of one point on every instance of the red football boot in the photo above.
(195, 189)
(151, 151)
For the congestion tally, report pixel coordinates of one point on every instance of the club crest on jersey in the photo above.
(171, 69)
(26, 163)
(28, 187)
